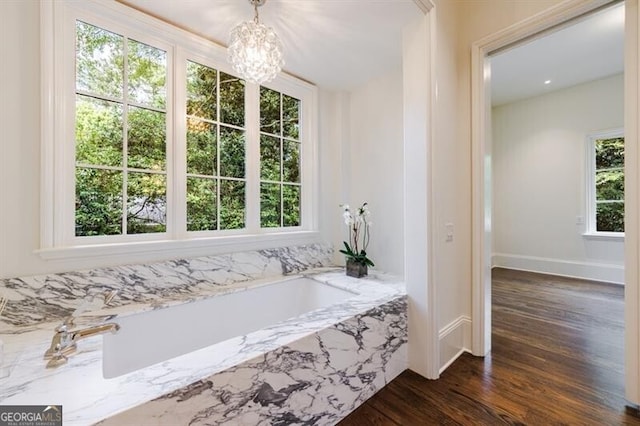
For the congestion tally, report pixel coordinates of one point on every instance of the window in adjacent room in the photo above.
(606, 182)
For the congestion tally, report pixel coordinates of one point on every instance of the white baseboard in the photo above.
(605, 272)
(455, 339)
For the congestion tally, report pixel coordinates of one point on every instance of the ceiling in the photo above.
(335, 44)
(589, 50)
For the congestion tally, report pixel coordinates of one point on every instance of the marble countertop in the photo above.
(87, 397)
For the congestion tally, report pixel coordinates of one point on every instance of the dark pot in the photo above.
(356, 269)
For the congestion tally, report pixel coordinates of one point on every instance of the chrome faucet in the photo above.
(63, 343)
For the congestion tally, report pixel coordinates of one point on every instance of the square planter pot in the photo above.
(356, 269)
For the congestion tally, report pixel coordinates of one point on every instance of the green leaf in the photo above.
(349, 252)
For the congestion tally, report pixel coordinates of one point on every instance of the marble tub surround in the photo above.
(362, 339)
(52, 297)
(315, 380)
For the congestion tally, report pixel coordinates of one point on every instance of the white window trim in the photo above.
(591, 233)
(57, 158)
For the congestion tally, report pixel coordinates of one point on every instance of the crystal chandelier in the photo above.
(255, 51)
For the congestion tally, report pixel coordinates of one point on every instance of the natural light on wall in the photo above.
(255, 51)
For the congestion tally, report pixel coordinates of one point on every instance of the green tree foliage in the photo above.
(99, 61)
(202, 204)
(291, 205)
(215, 150)
(146, 139)
(232, 204)
(270, 205)
(609, 181)
(610, 217)
(98, 202)
(103, 200)
(98, 132)
(146, 75)
(279, 159)
(121, 142)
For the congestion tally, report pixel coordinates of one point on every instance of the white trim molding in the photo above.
(605, 272)
(418, 111)
(553, 17)
(604, 236)
(455, 339)
(632, 196)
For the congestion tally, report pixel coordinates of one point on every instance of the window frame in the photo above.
(69, 99)
(591, 226)
(58, 238)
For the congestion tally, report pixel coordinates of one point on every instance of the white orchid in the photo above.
(347, 216)
(358, 230)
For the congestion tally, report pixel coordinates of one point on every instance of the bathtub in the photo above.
(317, 353)
(152, 337)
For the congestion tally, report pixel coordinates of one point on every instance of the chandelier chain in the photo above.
(255, 8)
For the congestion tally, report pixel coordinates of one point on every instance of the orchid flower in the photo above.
(358, 226)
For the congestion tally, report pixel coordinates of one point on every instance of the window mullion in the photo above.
(62, 180)
(125, 132)
(179, 152)
(218, 152)
(281, 160)
(252, 166)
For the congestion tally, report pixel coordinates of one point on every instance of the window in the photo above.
(215, 150)
(120, 134)
(279, 159)
(151, 143)
(606, 182)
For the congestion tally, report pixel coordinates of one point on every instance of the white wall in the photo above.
(334, 127)
(374, 161)
(452, 196)
(19, 137)
(459, 24)
(539, 161)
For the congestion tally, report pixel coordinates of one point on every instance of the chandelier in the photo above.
(255, 51)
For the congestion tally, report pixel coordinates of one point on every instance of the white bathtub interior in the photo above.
(148, 338)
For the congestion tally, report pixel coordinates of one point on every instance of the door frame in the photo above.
(555, 17)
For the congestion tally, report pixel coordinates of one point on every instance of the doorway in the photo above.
(559, 17)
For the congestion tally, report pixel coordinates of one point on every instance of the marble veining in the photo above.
(312, 369)
(46, 298)
(316, 380)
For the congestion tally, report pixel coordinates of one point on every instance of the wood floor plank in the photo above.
(557, 359)
(370, 416)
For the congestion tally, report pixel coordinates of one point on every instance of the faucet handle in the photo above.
(62, 345)
(57, 360)
(59, 355)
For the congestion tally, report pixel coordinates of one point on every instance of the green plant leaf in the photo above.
(348, 250)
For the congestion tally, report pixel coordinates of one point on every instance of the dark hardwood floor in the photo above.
(557, 358)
